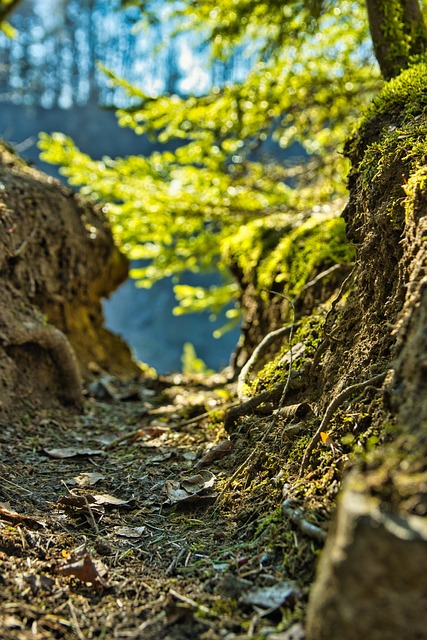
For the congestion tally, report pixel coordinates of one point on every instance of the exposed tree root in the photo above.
(258, 352)
(52, 340)
(332, 407)
(296, 515)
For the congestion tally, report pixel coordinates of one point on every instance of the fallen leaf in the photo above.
(17, 518)
(70, 452)
(273, 597)
(192, 489)
(84, 570)
(87, 479)
(216, 453)
(198, 482)
(98, 500)
(107, 499)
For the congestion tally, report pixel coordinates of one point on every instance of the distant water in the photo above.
(143, 317)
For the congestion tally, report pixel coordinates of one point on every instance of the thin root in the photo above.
(332, 407)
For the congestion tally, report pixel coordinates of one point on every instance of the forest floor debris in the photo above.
(108, 536)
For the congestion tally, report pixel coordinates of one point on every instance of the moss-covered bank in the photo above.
(363, 325)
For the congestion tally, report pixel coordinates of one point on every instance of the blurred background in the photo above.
(50, 81)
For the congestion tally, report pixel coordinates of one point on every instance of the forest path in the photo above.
(110, 527)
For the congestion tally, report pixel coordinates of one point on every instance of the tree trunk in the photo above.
(398, 32)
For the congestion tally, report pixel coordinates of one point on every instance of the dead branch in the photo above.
(250, 405)
(324, 274)
(296, 515)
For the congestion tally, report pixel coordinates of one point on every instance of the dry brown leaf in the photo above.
(17, 518)
(98, 500)
(193, 489)
(87, 479)
(216, 453)
(84, 570)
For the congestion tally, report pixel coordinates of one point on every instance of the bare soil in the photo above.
(153, 569)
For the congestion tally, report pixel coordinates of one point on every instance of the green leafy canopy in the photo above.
(312, 72)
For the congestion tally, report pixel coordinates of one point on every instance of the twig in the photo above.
(13, 484)
(288, 379)
(297, 517)
(173, 565)
(332, 407)
(201, 416)
(323, 274)
(282, 389)
(246, 407)
(75, 622)
(91, 516)
(186, 423)
(192, 603)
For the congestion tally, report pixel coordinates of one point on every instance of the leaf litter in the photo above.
(149, 554)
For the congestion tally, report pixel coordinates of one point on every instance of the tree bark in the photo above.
(398, 32)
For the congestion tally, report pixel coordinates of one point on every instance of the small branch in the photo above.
(76, 625)
(297, 517)
(250, 405)
(280, 390)
(200, 416)
(91, 516)
(173, 565)
(323, 274)
(332, 407)
(289, 377)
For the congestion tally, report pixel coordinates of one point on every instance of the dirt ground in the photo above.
(113, 524)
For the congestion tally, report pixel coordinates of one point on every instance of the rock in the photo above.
(372, 579)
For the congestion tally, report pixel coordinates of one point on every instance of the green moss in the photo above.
(415, 188)
(255, 240)
(400, 101)
(318, 242)
(287, 249)
(274, 372)
(392, 137)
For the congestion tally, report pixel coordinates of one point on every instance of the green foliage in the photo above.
(179, 210)
(191, 363)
